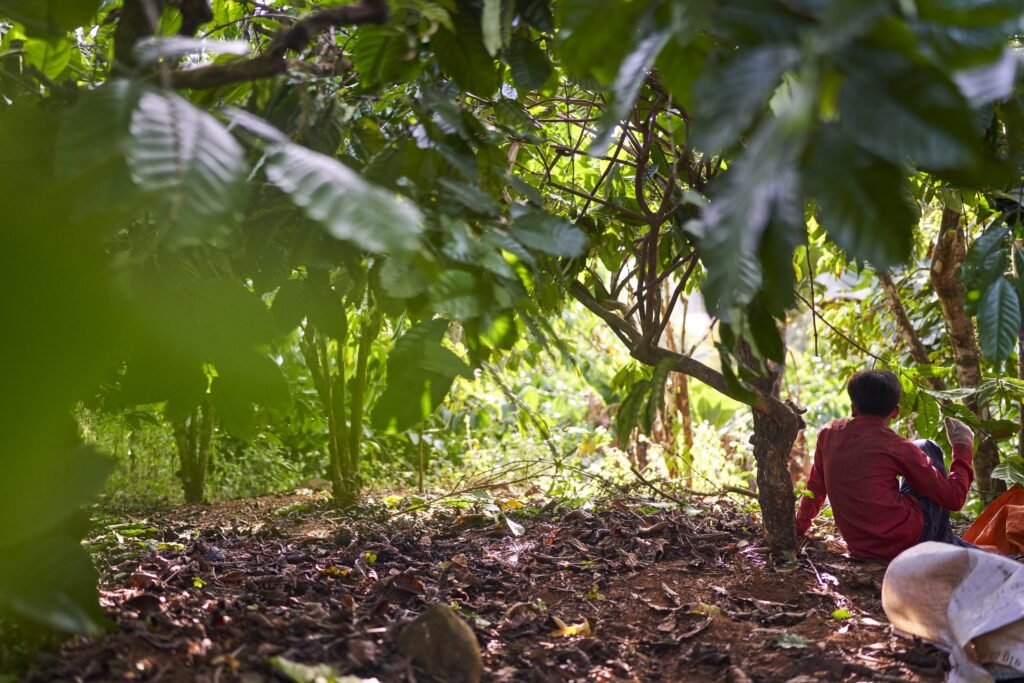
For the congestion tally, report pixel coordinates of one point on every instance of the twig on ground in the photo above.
(665, 494)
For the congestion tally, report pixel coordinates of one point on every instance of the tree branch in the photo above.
(293, 38)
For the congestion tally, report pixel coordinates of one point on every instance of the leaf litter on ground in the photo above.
(630, 589)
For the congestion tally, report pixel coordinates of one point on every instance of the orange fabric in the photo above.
(1000, 527)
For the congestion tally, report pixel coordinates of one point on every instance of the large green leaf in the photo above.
(864, 202)
(629, 411)
(184, 156)
(986, 261)
(656, 399)
(926, 420)
(549, 234)
(631, 76)
(491, 25)
(95, 131)
(529, 64)
(761, 189)
(380, 55)
(679, 68)
(347, 206)
(998, 320)
(462, 55)
(50, 580)
(732, 91)
(1010, 470)
(49, 55)
(420, 373)
(49, 17)
(581, 20)
(917, 116)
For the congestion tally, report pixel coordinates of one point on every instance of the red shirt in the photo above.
(856, 464)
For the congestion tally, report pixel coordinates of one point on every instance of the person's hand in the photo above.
(958, 432)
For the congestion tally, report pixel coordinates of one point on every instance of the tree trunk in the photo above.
(679, 389)
(369, 332)
(194, 439)
(331, 392)
(918, 352)
(948, 256)
(776, 427)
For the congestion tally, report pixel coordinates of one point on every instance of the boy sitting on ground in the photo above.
(857, 462)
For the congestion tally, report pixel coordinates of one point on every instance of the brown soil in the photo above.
(626, 592)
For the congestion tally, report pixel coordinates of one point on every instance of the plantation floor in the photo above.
(627, 592)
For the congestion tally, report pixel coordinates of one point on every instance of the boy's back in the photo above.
(857, 463)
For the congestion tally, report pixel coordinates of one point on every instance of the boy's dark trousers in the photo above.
(936, 519)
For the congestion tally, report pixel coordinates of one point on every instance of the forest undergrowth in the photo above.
(629, 588)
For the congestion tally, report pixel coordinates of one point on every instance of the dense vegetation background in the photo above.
(445, 243)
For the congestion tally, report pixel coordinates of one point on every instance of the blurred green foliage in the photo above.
(291, 257)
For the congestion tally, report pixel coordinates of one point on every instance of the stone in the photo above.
(442, 644)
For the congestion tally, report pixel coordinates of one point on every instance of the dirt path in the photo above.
(210, 594)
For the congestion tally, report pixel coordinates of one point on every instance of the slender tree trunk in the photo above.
(194, 440)
(315, 352)
(679, 389)
(369, 332)
(906, 329)
(948, 256)
(776, 427)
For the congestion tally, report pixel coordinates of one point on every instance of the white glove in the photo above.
(958, 432)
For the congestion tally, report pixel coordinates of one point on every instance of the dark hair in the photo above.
(874, 392)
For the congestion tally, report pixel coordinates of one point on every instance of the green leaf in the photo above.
(420, 373)
(990, 82)
(305, 673)
(581, 20)
(631, 76)
(324, 306)
(916, 116)
(159, 372)
(680, 67)
(1000, 429)
(537, 13)
(456, 294)
(926, 421)
(656, 400)
(864, 202)
(49, 17)
(841, 614)
(987, 259)
(491, 26)
(185, 157)
(50, 56)
(998, 320)
(380, 55)
(462, 55)
(50, 580)
(761, 189)
(629, 411)
(339, 199)
(95, 131)
(402, 279)
(732, 92)
(1010, 470)
(549, 234)
(766, 335)
(288, 307)
(529, 64)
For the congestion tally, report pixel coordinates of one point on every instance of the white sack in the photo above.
(969, 602)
